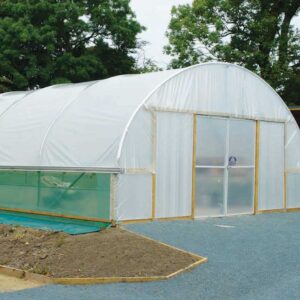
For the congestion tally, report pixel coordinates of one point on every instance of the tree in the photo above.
(148, 66)
(256, 34)
(44, 42)
(5, 84)
(145, 64)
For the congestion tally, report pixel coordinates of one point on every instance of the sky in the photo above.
(156, 15)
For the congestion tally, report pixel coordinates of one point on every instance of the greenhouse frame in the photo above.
(213, 139)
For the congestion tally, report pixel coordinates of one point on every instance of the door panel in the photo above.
(210, 192)
(242, 142)
(240, 190)
(240, 197)
(211, 147)
(225, 164)
(211, 141)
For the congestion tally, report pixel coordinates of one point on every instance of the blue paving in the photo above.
(252, 257)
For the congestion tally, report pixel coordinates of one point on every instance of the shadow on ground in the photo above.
(250, 257)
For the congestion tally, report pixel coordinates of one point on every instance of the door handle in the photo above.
(232, 161)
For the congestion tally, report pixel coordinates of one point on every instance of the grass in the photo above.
(40, 269)
(60, 241)
(4, 261)
(19, 235)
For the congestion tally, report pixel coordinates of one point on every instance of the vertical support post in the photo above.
(194, 165)
(256, 189)
(226, 170)
(113, 194)
(285, 191)
(38, 189)
(153, 195)
(154, 153)
(285, 173)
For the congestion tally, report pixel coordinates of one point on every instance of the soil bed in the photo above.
(110, 253)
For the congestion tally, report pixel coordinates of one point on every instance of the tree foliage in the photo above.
(5, 84)
(254, 33)
(45, 42)
(148, 66)
(145, 64)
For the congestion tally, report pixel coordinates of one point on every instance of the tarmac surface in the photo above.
(249, 257)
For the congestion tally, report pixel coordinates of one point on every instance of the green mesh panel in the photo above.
(78, 194)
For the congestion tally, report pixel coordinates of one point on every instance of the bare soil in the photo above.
(111, 252)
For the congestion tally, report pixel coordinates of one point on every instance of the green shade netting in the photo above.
(85, 195)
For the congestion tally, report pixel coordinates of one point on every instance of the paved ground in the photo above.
(257, 258)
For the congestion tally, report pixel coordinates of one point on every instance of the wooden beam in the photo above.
(50, 214)
(194, 165)
(154, 158)
(153, 195)
(256, 183)
(270, 211)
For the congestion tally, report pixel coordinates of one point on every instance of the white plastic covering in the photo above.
(10, 99)
(292, 146)
(218, 88)
(174, 165)
(111, 123)
(271, 166)
(138, 151)
(71, 125)
(134, 197)
(98, 124)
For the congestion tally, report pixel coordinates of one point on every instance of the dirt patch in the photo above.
(112, 252)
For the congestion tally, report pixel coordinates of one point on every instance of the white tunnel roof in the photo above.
(84, 125)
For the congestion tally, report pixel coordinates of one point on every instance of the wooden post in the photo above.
(256, 190)
(194, 166)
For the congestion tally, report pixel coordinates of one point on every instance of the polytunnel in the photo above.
(213, 139)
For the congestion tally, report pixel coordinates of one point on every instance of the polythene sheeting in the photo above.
(91, 124)
(219, 89)
(271, 166)
(137, 151)
(71, 125)
(10, 99)
(174, 165)
(292, 146)
(134, 197)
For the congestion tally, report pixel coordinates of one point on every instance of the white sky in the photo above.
(156, 15)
